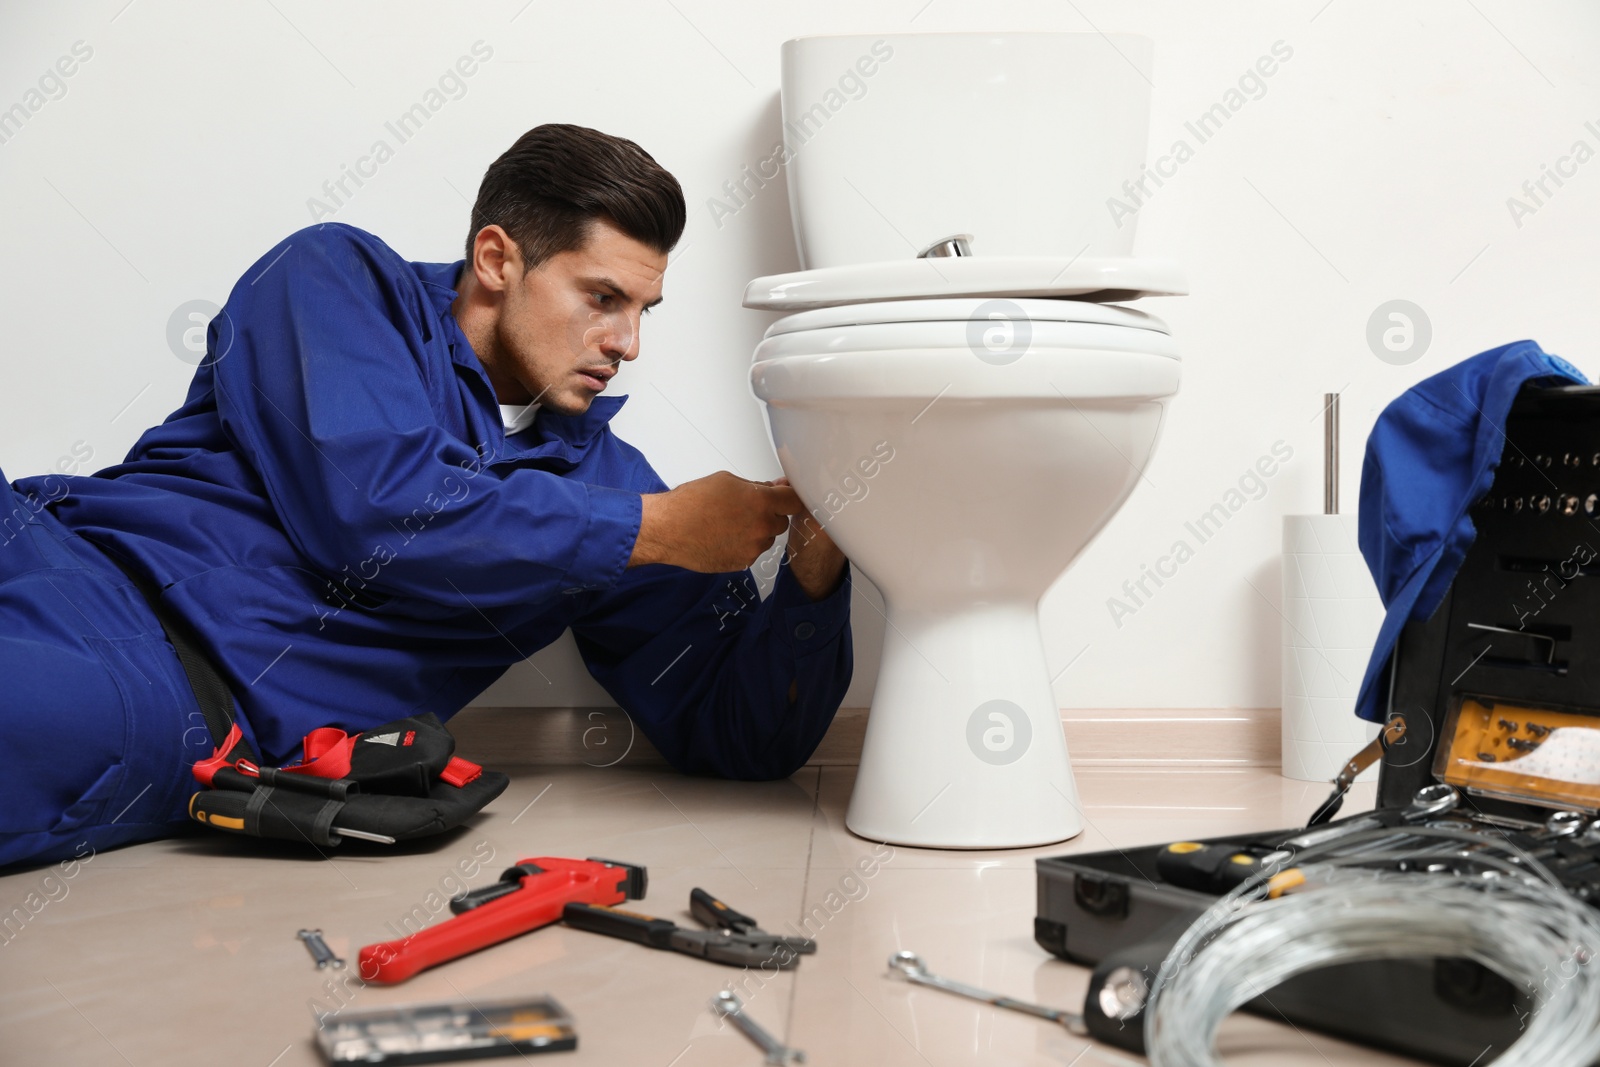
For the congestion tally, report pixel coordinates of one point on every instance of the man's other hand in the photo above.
(713, 524)
(815, 561)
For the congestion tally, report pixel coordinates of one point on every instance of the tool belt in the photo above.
(392, 783)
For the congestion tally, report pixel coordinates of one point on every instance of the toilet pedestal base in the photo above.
(964, 747)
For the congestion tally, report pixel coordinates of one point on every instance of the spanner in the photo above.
(909, 966)
(727, 1005)
(1429, 801)
(319, 949)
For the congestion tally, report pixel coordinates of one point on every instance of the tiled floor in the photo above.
(183, 952)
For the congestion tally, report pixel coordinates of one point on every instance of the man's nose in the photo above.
(622, 340)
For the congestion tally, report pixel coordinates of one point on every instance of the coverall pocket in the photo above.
(124, 740)
(138, 788)
(94, 807)
(105, 735)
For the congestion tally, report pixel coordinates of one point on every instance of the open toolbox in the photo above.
(1499, 696)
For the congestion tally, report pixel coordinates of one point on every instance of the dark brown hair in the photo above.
(549, 186)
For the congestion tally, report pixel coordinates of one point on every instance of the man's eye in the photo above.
(601, 297)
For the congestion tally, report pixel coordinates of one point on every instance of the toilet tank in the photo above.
(895, 140)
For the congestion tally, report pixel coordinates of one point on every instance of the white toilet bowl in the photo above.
(950, 392)
(962, 461)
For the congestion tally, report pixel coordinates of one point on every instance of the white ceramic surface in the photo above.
(1015, 138)
(975, 275)
(961, 441)
(1331, 616)
(945, 309)
(963, 489)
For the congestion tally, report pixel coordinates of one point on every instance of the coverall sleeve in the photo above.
(325, 391)
(704, 666)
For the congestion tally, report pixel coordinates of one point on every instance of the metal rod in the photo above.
(344, 831)
(1330, 454)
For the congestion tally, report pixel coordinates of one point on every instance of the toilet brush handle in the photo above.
(1330, 454)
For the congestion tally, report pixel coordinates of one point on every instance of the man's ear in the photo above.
(496, 259)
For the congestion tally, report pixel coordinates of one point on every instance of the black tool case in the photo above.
(1519, 626)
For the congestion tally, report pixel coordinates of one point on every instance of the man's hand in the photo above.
(713, 524)
(724, 523)
(814, 560)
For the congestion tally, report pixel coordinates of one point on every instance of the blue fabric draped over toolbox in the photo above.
(1432, 452)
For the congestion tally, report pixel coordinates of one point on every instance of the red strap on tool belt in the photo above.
(231, 750)
(458, 772)
(325, 753)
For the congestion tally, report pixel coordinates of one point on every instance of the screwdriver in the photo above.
(1211, 868)
(227, 810)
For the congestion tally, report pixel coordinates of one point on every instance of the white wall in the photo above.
(1376, 165)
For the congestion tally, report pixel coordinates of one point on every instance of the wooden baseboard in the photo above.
(1123, 737)
(1174, 737)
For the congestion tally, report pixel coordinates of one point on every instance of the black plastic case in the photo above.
(1111, 909)
(1526, 583)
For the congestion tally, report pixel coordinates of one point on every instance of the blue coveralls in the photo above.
(339, 515)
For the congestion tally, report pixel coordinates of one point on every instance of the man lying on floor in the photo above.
(390, 481)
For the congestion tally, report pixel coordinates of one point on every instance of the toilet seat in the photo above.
(965, 309)
(1037, 349)
(1088, 278)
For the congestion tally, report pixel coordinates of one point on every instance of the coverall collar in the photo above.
(552, 434)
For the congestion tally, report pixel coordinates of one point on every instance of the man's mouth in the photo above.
(596, 377)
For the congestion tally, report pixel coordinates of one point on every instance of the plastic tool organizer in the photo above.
(1507, 670)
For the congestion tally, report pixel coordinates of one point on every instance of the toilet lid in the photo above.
(1102, 278)
(965, 309)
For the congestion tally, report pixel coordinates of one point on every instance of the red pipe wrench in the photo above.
(527, 896)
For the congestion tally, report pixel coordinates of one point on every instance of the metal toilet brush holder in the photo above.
(1331, 616)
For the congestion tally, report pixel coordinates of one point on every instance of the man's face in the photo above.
(563, 328)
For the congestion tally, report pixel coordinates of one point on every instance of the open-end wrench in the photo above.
(909, 965)
(727, 1005)
(319, 949)
(1429, 801)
